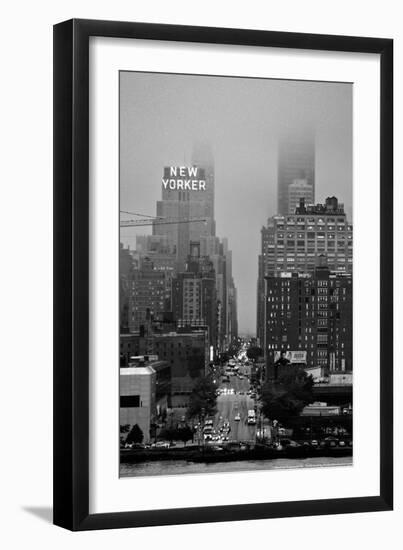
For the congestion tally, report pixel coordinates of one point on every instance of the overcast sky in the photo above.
(163, 115)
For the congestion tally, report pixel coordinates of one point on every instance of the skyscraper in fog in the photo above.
(182, 198)
(299, 189)
(296, 161)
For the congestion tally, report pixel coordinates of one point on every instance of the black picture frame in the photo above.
(71, 273)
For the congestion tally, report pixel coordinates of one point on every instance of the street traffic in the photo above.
(235, 419)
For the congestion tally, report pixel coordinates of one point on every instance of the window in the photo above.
(130, 401)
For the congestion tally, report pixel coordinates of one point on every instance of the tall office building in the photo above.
(187, 193)
(126, 266)
(150, 294)
(294, 243)
(194, 294)
(202, 157)
(231, 295)
(296, 161)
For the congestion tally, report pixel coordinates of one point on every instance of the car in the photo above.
(289, 443)
(342, 443)
(208, 422)
(315, 443)
(134, 446)
(225, 438)
(237, 417)
(241, 393)
(161, 445)
(329, 442)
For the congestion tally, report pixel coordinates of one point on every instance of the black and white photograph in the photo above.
(236, 274)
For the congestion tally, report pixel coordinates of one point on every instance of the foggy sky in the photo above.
(242, 119)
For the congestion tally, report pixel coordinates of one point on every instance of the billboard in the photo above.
(184, 178)
(298, 356)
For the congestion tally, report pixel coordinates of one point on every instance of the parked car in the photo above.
(289, 443)
(329, 442)
(237, 417)
(161, 445)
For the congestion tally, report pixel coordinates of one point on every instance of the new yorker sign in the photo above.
(184, 178)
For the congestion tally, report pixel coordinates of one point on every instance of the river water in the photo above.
(179, 467)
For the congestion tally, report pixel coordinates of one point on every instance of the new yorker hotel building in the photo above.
(187, 193)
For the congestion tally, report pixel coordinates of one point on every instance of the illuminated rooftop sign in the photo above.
(184, 178)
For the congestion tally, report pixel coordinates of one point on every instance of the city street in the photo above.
(231, 404)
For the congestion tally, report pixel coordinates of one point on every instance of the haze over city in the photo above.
(242, 120)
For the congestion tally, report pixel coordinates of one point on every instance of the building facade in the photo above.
(183, 203)
(296, 242)
(311, 313)
(138, 398)
(194, 294)
(126, 266)
(187, 353)
(150, 294)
